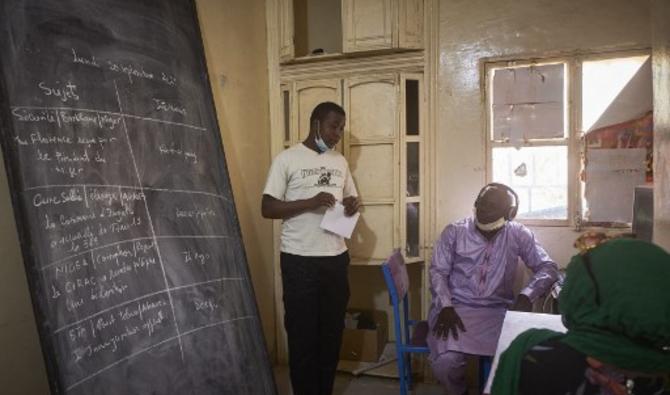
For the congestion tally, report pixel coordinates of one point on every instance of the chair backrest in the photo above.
(398, 271)
(397, 282)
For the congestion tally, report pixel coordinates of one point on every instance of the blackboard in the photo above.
(128, 228)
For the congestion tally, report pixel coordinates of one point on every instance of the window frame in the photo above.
(573, 140)
(404, 140)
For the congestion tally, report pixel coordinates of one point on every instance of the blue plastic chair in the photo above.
(484, 370)
(397, 281)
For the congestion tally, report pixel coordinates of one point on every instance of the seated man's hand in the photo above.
(448, 321)
(351, 205)
(522, 303)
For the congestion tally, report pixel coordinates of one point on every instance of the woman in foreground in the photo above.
(616, 307)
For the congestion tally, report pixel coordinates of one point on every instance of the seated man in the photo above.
(616, 307)
(472, 275)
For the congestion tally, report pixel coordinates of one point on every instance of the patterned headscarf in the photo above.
(616, 306)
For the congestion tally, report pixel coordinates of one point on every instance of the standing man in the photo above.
(303, 182)
(472, 275)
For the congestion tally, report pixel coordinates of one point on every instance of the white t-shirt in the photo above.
(301, 173)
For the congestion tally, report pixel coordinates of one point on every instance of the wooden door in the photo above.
(372, 149)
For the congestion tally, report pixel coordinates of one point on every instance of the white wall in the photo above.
(472, 30)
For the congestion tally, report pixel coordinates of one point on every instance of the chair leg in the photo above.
(401, 373)
(484, 369)
(408, 361)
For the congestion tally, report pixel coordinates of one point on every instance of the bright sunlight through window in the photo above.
(602, 81)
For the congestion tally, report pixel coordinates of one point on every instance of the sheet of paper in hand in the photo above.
(334, 220)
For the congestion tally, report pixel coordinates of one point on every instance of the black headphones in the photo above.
(511, 212)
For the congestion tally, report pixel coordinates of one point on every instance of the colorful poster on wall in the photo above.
(637, 133)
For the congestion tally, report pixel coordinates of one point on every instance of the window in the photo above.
(529, 137)
(567, 162)
(617, 135)
(412, 170)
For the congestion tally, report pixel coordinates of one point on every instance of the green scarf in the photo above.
(506, 378)
(616, 306)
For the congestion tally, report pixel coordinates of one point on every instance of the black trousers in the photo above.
(316, 293)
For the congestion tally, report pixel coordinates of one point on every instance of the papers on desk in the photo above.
(515, 323)
(334, 220)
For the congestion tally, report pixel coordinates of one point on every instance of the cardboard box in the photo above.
(365, 344)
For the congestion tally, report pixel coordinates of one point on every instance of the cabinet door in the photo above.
(368, 24)
(371, 147)
(410, 26)
(286, 31)
(308, 94)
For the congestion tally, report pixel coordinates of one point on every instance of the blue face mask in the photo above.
(320, 144)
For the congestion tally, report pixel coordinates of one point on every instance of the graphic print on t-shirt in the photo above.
(324, 176)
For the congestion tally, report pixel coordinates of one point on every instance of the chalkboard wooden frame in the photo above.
(163, 178)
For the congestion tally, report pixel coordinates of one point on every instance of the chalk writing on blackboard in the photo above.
(123, 201)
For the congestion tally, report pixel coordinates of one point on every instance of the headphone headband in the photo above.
(513, 208)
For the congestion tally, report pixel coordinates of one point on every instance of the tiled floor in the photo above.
(347, 384)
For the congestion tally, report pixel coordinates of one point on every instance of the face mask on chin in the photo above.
(491, 226)
(320, 144)
(495, 225)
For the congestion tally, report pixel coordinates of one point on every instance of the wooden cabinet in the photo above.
(348, 26)
(368, 25)
(381, 24)
(385, 144)
(384, 149)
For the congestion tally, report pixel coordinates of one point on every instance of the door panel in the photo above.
(310, 93)
(410, 24)
(368, 24)
(373, 108)
(374, 235)
(286, 47)
(370, 167)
